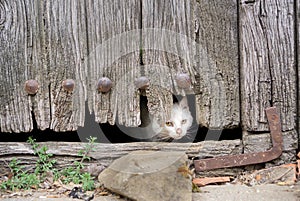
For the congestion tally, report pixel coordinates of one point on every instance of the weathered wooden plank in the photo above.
(268, 76)
(107, 153)
(217, 64)
(113, 46)
(65, 42)
(167, 48)
(262, 142)
(22, 57)
(49, 49)
(297, 3)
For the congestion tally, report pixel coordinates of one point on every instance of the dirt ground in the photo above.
(227, 192)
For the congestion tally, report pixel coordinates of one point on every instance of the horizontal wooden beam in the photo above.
(106, 153)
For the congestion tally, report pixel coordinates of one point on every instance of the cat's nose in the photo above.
(178, 130)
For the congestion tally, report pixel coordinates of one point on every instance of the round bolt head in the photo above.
(142, 82)
(68, 84)
(104, 84)
(31, 87)
(183, 80)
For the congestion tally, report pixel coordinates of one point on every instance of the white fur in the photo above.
(181, 120)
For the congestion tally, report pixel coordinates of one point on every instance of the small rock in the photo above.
(149, 175)
(94, 169)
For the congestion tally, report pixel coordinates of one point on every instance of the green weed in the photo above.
(23, 179)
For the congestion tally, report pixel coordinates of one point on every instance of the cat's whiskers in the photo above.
(176, 127)
(191, 132)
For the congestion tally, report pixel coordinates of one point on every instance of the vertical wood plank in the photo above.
(268, 74)
(65, 42)
(167, 44)
(297, 4)
(22, 58)
(217, 94)
(113, 46)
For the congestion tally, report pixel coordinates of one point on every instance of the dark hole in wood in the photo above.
(205, 134)
(196, 133)
(39, 135)
(107, 133)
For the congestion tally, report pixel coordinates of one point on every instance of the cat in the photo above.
(174, 128)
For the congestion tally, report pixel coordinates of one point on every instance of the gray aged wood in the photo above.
(22, 57)
(44, 41)
(107, 153)
(268, 76)
(113, 42)
(167, 49)
(297, 3)
(217, 64)
(85, 40)
(262, 142)
(66, 47)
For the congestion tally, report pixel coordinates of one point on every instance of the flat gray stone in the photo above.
(267, 192)
(149, 175)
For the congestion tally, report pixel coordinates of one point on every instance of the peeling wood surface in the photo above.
(268, 71)
(106, 153)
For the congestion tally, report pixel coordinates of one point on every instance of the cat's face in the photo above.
(181, 120)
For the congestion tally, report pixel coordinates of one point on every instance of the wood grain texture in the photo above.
(22, 57)
(262, 142)
(107, 153)
(217, 94)
(268, 75)
(167, 41)
(66, 45)
(297, 4)
(113, 46)
(46, 41)
(85, 40)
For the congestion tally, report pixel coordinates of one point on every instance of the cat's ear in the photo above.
(184, 103)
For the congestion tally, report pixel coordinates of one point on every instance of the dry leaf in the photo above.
(210, 180)
(185, 171)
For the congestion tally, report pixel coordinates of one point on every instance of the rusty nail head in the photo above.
(104, 84)
(68, 84)
(31, 87)
(142, 82)
(183, 80)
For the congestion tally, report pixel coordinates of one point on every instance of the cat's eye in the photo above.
(169, 123)
(183, 121)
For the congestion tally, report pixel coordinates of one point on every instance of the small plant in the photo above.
(87, 181)
(20, 179)
(90, 146)
(74, 173)
(44, 163)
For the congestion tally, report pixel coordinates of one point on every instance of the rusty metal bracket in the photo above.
(251, 158)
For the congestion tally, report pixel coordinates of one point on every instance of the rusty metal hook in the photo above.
(251, 158)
